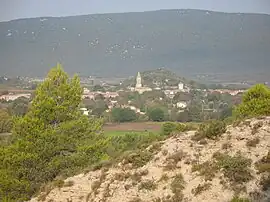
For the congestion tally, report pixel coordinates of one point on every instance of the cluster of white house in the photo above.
(12, 97)
(138, 88)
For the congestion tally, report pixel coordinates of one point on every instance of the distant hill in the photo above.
(159, 77)
(186, 41)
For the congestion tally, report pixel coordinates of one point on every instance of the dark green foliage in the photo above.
(19, 107)
(5, 121)
(149, 185)
(130, 141)
(263, 166)
(210, 130)
(98, 88)
(207, 169)
(177, 186)
(123, 115)
(156, 114)
(138, 159)
(169, 127)
(201, 188)
(235, 168)
(253, 142)
(238, 199)
(53, 138)
(256, 102)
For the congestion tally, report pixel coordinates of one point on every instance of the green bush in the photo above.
(235, 168)
(238, 199)
(5, 121)
(263, 166)
(256, 102)
(156, 114)
(169, 127)
(210, 130)
(123, 115)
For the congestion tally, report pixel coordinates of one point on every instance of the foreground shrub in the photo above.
(138, 159)
(207, 169)
(169, 127)
(177, 186)
(238, 199)
(263, 166)
(256, 102)
(235, 168)
(210, 130)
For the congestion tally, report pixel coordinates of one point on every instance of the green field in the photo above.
(121, 133)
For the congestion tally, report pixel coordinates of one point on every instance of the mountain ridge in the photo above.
(185, 40)
(134, 12)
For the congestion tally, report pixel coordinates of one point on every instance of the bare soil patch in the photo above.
(145, 126)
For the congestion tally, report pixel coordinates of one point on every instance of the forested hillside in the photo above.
(185, 41)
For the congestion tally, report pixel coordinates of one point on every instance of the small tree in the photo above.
(256, 102)
(157, 114)
(52, 138)
(123, 115)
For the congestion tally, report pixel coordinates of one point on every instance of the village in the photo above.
(178, 98)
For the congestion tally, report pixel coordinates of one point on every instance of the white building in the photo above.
(181, 86)
(86, 91)
(12, 97)
(139, 87)
(182, 105)
(85, 111)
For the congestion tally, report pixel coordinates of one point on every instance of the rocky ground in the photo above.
(179, 169)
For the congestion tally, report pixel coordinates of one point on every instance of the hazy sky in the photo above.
(14, 9)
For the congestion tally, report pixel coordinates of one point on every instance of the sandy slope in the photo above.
(115, 189)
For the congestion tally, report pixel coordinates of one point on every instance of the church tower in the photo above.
(139, 81)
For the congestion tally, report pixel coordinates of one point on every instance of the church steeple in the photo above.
(139, 81)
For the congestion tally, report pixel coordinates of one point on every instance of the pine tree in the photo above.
(53, 137)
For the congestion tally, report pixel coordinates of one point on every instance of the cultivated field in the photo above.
(139, 127)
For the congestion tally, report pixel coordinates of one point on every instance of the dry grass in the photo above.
(201, 188)
(173, 159)
(149, 185)
(253, 142)
(207, 169)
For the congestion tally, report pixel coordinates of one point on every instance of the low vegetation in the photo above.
(235, 168)
(263, 166)
(207, 169)
(149, 185)
(169, 127)
(238, 199)
(177, 186)
(138, 159)
(210, 130)
(173, 159)
(253, 142)
(201, 188)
